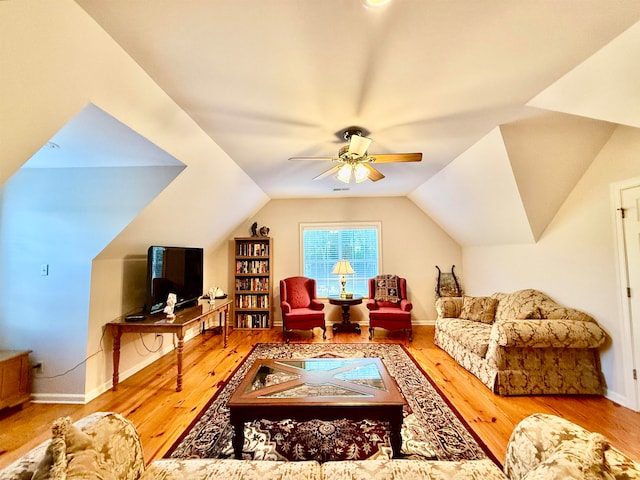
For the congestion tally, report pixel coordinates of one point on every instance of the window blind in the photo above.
(323, 245)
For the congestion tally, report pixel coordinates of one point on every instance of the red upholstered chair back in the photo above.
(298, 291)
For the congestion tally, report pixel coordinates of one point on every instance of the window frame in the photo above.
(376, 225)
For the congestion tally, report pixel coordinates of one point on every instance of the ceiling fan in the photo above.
(353, 160)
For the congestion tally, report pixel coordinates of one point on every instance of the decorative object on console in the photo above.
(447, 284)
(264, 231)
(171, 304)
(254, 229)
(342, 268)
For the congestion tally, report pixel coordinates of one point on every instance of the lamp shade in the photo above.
(343, 267)
(359, 145)
(344, 174)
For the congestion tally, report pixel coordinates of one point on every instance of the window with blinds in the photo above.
(322, 245)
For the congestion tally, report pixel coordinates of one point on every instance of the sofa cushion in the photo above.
(575, 460)
(473, 336)
(478, 309)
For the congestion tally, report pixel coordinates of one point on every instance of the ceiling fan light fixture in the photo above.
(360, 173)
(344, 173)
(375, 4)
(359, 145)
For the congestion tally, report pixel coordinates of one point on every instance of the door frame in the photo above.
(629, 360)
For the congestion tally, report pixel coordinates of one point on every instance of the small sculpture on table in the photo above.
(171, 304)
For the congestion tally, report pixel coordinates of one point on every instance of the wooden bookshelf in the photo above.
(253, 283)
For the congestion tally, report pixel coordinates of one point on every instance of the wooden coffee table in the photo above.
(317, 388)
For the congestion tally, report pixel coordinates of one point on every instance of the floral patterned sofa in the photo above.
(522, 343)
(106, 446)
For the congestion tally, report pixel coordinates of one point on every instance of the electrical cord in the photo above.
(81, 363)
(96, 353)
(147, 348)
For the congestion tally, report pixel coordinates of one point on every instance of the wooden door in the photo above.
(630, 218)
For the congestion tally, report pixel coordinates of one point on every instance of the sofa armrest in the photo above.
(114, 438)
(371, 304)
(448, 307)
(231, 469)
(541, 436)
(547, 334)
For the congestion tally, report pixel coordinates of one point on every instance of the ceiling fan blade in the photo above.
(397, 157)
(312, 158)
(374, 175)
(328, 173)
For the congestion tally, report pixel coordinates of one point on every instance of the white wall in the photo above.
(55, 61)
(412, 245)
(575, 259)
(61, 218)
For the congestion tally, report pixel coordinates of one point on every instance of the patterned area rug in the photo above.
(430, 428)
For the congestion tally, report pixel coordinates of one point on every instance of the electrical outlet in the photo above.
(38, 368)
(44, 269)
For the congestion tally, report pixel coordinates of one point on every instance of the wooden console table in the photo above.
(158, 323)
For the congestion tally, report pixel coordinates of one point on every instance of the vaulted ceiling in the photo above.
(509, 102)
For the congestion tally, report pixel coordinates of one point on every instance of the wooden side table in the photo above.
(15, 378)
(345, 303)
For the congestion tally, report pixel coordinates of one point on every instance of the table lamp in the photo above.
(342, 268)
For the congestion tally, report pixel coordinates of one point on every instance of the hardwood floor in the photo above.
(161, 414)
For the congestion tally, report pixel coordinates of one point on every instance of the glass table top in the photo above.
(317, 377)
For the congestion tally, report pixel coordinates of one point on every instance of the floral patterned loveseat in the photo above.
(522, 343)
(105, 446)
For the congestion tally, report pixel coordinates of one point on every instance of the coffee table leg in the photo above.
(396, 435)
(237, 440)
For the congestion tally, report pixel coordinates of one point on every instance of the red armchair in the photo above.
(300, 309)
(384, 311)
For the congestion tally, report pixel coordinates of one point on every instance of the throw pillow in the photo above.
(478, 309)
(387, 289)
(54, 463)
(70, 456)
(575, 460)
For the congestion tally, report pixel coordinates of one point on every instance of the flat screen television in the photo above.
(173, 270)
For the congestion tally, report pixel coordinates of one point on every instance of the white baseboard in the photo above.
(365, 323)
(70, 398)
